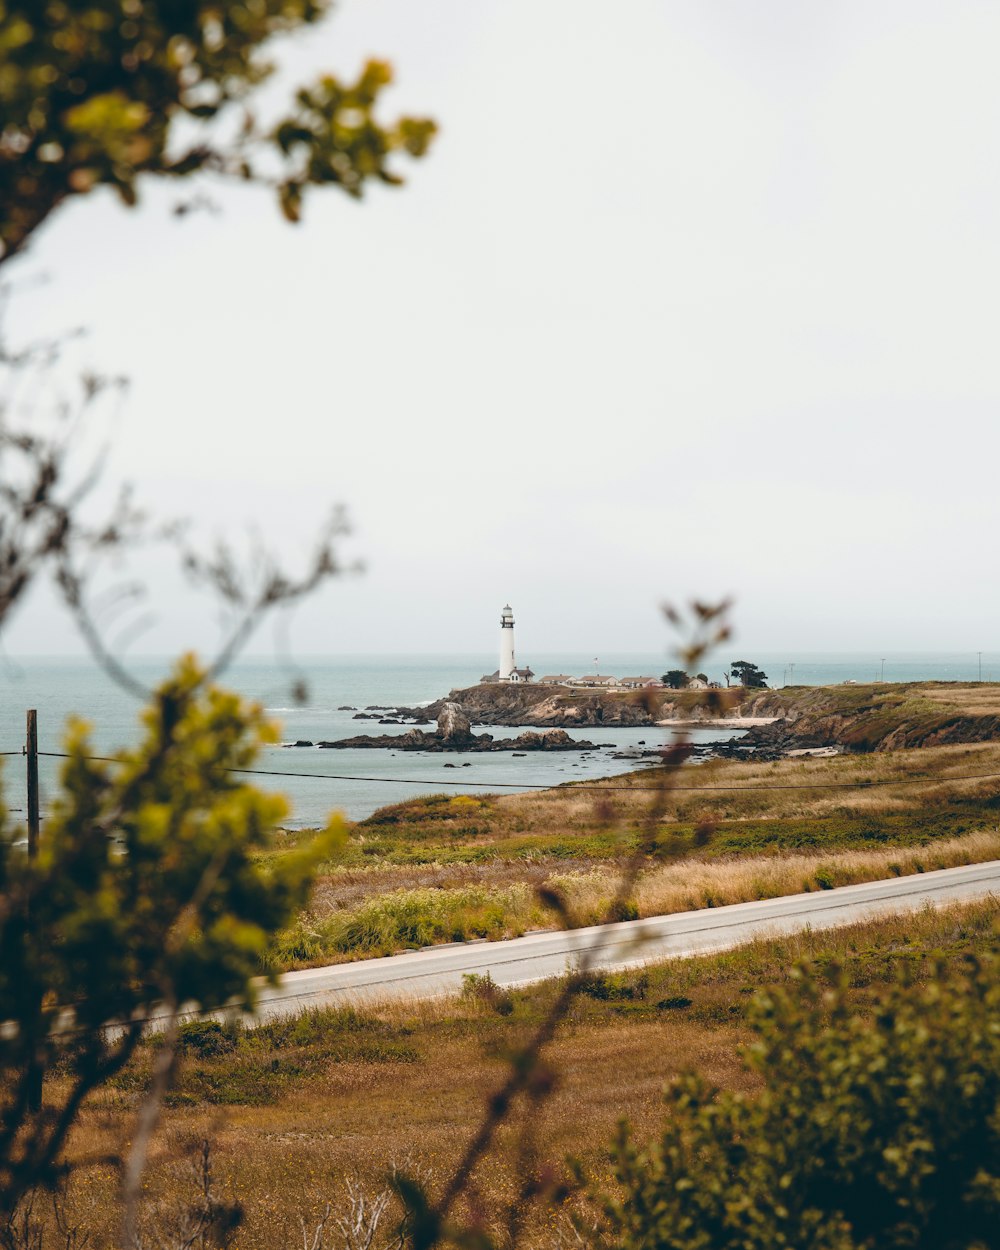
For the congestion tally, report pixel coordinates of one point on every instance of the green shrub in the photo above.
(870, 1134)
(623, 909)
(316, 1027)
(206, 1039)
(483, 989)
(611, 987)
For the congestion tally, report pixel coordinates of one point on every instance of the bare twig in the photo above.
(429, 1220)
(206, 1221)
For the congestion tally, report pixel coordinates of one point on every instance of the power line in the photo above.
(580, 785)
(64, 755)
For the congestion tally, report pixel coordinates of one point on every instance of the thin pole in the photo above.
(980, 654)
(31, 754)
(35, 1071)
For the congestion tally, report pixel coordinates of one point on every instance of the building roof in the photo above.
(557, 677)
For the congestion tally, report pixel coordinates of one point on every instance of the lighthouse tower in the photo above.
(506, 644)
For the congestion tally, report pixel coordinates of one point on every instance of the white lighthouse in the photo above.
(507, 666)
(507, 670)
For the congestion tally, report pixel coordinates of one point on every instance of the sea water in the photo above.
(357, 782)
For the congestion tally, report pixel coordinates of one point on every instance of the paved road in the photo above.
(438, 970)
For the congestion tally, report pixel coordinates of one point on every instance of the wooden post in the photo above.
(31, 752)
(31, 759)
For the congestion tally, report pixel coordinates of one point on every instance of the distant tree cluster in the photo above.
(743, 673)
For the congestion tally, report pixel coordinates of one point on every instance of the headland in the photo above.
(881, 716)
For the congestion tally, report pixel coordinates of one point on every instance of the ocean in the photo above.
(357, 782)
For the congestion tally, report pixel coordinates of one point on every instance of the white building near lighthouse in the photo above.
(508, 670)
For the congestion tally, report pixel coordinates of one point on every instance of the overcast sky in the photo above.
(690, 298)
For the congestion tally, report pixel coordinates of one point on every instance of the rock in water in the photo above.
(453, 724)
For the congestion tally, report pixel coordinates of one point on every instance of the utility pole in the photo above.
(980, 654)
(31, 762)
(882, 674)
(31, 759)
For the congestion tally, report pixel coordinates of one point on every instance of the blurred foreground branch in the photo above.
(431, 1218)
(103, 92)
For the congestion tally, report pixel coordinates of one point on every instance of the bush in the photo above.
(869, 1133)
(483, 989)
(676, 1002)
(206, 1039)
(611, 987)
(623, 909)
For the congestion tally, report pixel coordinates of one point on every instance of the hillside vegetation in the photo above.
(298, 1105)
(452, 867)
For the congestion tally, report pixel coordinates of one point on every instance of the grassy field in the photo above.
(446, 868)
(298, 1106)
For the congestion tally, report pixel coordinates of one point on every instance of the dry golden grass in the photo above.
(793, 787)
(973, 699)
(352, 1118)
(688, 886)
(345, 888)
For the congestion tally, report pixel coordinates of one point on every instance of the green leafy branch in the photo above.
(91, 94)
(149, 897)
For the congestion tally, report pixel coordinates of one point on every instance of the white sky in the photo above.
(690, 298)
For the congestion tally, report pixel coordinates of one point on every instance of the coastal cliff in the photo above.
(502, 703)
(877, 717)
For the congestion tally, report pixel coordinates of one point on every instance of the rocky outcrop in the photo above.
(544, 707)
(454, 726)
(418, 740)
(454, 733)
